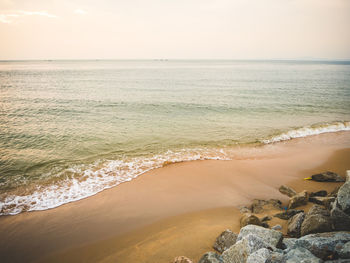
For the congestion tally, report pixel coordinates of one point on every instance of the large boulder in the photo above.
(343, 197)
(211, 257)
(225, 240)
(294, 224)
(298, 200)
(249, 219)
(182, 259)
(259, 206)
(317, 220)
(269, 236)
(298, 255)
(324, 245)
(288, 214)
(239, 252)
(287, 191)
(259, 256)
(327, 177)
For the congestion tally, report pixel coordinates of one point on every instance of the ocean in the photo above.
(70, 129)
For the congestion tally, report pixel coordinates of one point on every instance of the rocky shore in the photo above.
(321, 234)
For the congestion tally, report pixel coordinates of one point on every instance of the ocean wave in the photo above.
(87, 180)
(309, 131)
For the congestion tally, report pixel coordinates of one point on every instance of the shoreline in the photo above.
(164, 194)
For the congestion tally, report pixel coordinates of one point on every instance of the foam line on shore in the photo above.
(87, 180)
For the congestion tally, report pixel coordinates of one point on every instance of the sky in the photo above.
(174, 29)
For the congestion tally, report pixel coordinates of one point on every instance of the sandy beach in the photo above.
(175, 210)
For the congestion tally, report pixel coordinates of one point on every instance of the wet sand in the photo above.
(175, 210)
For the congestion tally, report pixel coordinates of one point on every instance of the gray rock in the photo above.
(294, 225)
(300, 255)
(327, 177)
(343, 250)
(269, 236)
(287, 191)
(323, 245)
(249, 219)
(259, 256)
(239, 252)
(347, 176)
(288, 243)
(211, 257)
(298, 200)
(341, 221)
(326, 201)
(288, 214)
(343, 197)
(322, 193)
(259, 206)
(225, 240)
(317, 220)
(182, 259)
(277, 227)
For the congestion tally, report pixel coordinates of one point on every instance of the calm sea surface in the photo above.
(69, 129)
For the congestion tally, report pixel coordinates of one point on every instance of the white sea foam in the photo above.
(308, 131)
(94, 178)
(87, 180)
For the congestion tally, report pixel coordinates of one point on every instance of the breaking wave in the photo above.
(87, 180)
(309, 131)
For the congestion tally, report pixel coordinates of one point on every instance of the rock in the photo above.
(344, 250)
(266, 218)
(259, 206)
(287, 191)
(347, 176)
(182, 259)
(249, 219)
(322, 193)
(343, 198)
(323, 245)
(211, 257)
(288, 214)
(317, 220)
(288, 243)
(327, 177)
(326, 201)
(341, 221)
(337, 261)
(239, 252)
(294, 224)
(299, 255)
(259, 256)
(276, 227)
(269, 236)
(225, 240)
(298, 200)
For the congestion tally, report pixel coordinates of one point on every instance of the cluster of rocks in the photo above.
(320, 235)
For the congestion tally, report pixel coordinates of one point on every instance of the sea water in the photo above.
(70, 129)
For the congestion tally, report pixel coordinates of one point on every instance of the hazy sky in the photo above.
(224, 29)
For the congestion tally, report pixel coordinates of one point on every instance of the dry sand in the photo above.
(175, 210)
